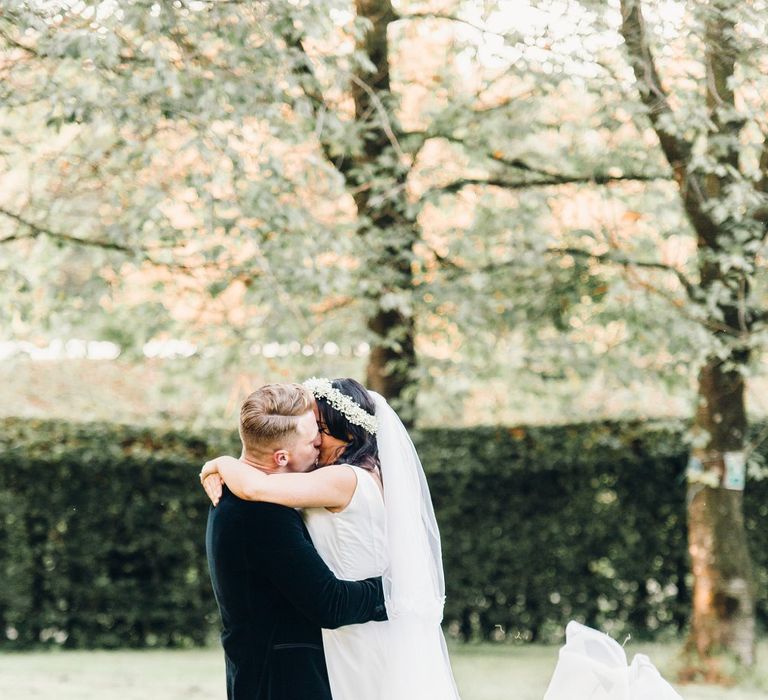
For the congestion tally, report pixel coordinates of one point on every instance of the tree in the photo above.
(722, 187)
(704, 102)
(374, 169)
(707, 115)
(163, 165)
(159, 149)
(379, 169)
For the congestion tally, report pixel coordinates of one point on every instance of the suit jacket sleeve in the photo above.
(297, 570)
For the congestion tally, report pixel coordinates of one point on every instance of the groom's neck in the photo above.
(262, 462)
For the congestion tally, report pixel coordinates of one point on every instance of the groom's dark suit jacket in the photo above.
(275, 593)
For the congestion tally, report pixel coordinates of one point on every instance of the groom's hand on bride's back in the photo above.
(213, 487)
(212, 483)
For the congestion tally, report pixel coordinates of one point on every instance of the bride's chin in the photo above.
(330, 455)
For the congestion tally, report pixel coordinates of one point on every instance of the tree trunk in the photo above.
(723, 618)
(393, 359)
(390, 233)
(375, 172)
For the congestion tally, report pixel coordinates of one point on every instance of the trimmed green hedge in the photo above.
(101, 542)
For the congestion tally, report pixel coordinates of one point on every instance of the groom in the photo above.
(273, 590)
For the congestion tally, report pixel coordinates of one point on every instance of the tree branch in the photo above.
(386, 124)
(313, 91)
(496, 156)
(612, 258)
(552, 181)
(553, 178)
(560, 178)
(456, 18)
(38, 230)
(709, 323)
(763, 183)
(606, 258)
(503, 104)
(17, 44)
(652, 94)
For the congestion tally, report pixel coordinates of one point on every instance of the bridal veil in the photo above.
(414, 586)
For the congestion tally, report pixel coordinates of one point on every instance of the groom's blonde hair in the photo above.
(268, 417)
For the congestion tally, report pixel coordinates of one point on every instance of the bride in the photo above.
(369, 513)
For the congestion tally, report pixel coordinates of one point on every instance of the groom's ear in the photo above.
(280, 458)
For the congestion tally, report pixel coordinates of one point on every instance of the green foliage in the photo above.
(586, 522)
(183, 157)
(159, 140)
(102, 537)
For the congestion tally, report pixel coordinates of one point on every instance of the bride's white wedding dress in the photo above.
(592, 666)
(353, 544)
(374, 661)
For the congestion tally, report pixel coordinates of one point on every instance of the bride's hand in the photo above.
(212, 481)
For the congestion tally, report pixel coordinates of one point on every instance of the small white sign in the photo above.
(735, 471)
(695, 468)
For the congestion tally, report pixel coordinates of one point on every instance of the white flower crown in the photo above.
(352, 411)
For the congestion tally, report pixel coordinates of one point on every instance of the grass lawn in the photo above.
(482, 672)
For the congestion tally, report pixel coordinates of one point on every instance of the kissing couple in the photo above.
(325, 560)
(324, 551)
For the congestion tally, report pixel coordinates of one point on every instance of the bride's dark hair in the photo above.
(362, 450)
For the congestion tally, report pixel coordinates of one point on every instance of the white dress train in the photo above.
(593, 666)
